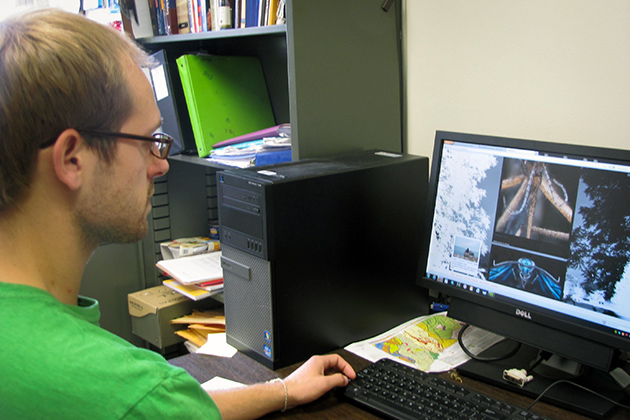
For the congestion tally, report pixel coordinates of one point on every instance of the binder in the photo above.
(226, 97)
(169, 96)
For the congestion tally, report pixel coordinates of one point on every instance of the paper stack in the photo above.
(200, 324)
(197, 276)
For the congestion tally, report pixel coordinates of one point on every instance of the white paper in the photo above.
(217, 346)
(195, 268)
(218, 383)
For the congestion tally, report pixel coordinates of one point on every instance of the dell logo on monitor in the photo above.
(523, 313)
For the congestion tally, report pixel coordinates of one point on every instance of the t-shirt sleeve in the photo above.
(177, 397)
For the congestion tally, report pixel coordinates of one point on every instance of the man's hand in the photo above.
(310, 381)
(316, 376)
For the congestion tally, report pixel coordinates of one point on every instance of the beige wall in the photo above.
(556, 70)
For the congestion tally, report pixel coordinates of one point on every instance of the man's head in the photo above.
(111, 199)
(58, 71)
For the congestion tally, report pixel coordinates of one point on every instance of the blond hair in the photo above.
(58, 70)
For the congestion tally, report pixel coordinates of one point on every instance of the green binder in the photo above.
(226, 97)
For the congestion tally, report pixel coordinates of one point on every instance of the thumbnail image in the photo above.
(536, 200)
(531, 272)
(466, 253)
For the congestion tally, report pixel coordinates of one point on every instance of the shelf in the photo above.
(215, 35)
(198, 161)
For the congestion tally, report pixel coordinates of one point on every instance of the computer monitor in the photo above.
(531, 240)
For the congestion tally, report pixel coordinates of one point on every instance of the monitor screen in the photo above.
(535, 236)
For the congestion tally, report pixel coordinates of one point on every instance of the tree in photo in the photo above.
(459, 203)
(600, 246)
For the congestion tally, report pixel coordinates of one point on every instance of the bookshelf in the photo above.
(333, 71)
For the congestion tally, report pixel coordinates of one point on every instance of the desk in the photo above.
(242, 369)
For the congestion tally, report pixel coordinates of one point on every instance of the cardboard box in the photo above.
(152, 310)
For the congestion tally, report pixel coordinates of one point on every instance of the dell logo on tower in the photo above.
(523, 313)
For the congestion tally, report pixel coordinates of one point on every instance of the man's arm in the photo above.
(310, 381)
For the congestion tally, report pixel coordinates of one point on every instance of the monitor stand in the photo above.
(563, 395)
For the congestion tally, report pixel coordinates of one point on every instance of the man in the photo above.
(78, 156)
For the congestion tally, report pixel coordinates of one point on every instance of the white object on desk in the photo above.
(217, 346)
(218, 383)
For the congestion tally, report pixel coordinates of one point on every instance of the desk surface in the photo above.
(242, 369)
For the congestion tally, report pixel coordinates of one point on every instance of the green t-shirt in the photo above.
(57, 363)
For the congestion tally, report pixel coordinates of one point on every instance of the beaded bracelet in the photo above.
(286, 393)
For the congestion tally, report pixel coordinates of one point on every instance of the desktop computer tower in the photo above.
(320, 253)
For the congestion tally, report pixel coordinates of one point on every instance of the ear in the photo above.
(70, 153)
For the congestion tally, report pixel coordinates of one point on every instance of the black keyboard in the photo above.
(402, 392)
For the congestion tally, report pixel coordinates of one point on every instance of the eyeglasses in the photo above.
(161, 142)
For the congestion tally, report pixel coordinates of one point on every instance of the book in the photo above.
(203, 7)
(223, 9)
(271, 157)
(153, 11)
(282, 130)
(171, 17)
(211, 285)
(272, 12)
(226, 97)
(262, 10)
(214, 7)
(193, 24)
(183, 21)
(194, 269)
(263, 158)
(194, 291)
(251, 13)
(185, 247)
(236, 13)
(267, 151)
(142, 21)
(243, 10)
(160, 14)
